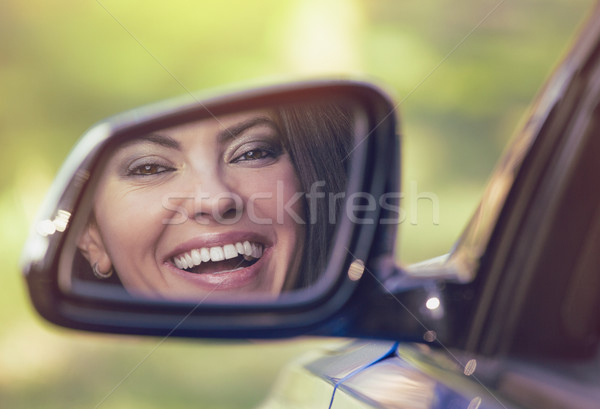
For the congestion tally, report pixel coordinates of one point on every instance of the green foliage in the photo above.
(464, 80)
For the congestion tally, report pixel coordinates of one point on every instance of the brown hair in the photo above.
(318, 138)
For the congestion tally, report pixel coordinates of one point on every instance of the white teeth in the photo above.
(195, 257)
(178, 263)
(204, 254)
(230, 251)
(256, 251)
(217, 254)
(189, 260)
(247, 248)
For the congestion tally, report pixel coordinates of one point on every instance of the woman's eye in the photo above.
(148, 169)
(256, 153)
(253, 154)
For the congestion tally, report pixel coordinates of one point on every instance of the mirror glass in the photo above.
(239, 206)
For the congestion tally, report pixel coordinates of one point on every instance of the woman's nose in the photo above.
(215, 201)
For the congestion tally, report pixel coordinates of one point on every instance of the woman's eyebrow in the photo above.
(156, 138)
(233, 131)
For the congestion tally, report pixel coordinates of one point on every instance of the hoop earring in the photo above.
(99, 274)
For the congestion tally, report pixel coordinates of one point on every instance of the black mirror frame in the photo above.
(375, 170)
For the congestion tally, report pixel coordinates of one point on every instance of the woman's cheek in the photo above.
(130, 219)
(278, 184)
(260, 198)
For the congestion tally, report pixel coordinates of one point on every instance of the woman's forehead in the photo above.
(223, 127)
(219, 129)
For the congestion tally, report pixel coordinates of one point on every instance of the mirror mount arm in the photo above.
(426, 308)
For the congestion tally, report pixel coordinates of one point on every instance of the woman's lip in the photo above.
(217, 239)
(225, 280)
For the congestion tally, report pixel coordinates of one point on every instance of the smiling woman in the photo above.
(219, 207)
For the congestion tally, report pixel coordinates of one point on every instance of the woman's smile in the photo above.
(226, 274)
(233, 253)
(221, 261)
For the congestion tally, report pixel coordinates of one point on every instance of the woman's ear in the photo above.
(91, 245)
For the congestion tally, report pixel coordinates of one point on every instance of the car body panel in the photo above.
(320, 373)
(373, 376)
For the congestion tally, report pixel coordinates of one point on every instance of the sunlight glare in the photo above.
(321, 36)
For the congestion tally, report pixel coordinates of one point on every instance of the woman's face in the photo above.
(206, 209)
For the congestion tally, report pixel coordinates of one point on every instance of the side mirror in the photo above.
(245, 215)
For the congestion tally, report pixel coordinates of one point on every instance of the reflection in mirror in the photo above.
(241, 206)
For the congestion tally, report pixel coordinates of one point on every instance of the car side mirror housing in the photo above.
(253, 214)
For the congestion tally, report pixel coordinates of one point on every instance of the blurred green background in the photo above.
(464, 71)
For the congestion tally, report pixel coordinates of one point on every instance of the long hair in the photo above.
(318, 138)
